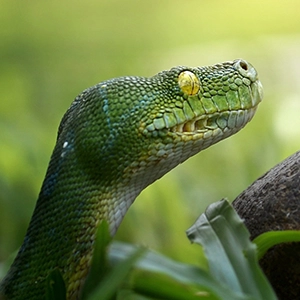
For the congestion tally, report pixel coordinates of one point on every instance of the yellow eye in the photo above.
(189, 83)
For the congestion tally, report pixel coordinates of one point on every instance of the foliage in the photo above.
(137, 273)
(271, 238)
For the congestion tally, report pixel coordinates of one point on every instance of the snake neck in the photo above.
(64, 223)
(62, 230)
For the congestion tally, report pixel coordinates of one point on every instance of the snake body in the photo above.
(116, 138)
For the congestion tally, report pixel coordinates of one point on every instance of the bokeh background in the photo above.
(51, 50)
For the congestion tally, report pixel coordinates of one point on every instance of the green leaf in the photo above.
(160, 277)
(56, 289)
(269, 239)
(160, 286)
(231, 256)
(99, 264)
(112, 281)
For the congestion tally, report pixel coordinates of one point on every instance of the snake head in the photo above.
(193, 108)
(210, 101)
(131, 124)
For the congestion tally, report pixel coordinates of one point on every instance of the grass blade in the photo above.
(269, 239)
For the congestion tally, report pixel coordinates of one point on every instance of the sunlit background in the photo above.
(51, 50)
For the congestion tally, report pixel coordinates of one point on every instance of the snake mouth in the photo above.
(202, 124)
(213, 124)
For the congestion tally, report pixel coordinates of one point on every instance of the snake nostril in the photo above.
(245, 69)
(244, 65)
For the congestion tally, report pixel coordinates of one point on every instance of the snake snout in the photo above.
(246, 69)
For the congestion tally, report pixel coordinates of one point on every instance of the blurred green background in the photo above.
(51, 50)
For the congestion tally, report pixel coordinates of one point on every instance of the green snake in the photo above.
(116, 138)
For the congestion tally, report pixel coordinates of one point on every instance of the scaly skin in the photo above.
(117, 138)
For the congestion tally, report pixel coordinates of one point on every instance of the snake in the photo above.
(116, 138)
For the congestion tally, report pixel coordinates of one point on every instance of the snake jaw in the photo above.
(212, 126)
(204, 123)
(219, 124)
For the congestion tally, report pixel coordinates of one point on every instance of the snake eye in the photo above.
(189, 83)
